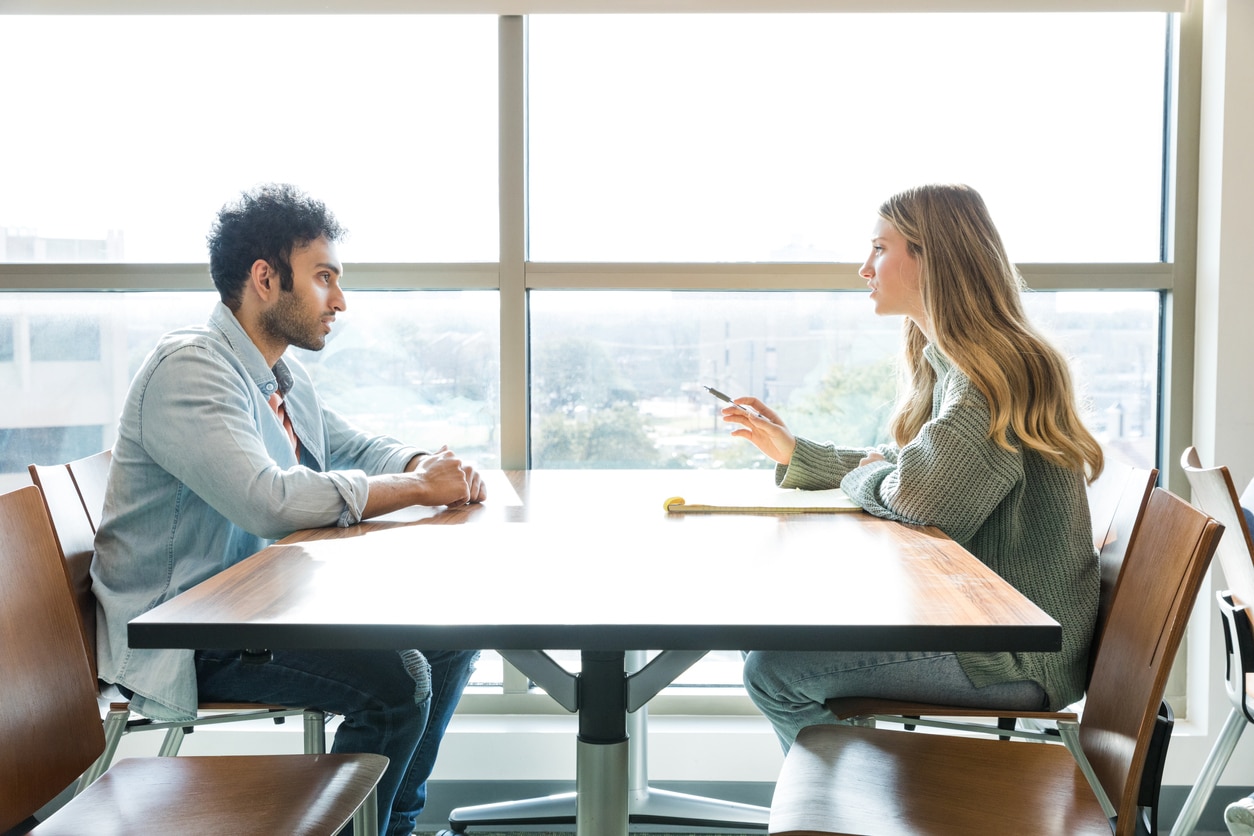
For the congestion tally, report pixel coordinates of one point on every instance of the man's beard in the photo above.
(285, 321)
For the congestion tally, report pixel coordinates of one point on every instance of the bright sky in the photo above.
(672, 138)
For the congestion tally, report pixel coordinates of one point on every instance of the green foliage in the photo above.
(612, 437)
(572, 375)
(589, 413)
(847, 405)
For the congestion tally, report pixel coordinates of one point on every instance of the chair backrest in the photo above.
(1104, 495)
(75, 536)
(49, 720)
(1117, 503)
(91, 475)
(1162, 571)
(1214, 493)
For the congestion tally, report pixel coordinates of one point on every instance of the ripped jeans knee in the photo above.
(419, 669)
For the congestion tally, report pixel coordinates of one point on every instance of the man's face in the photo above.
(302, 317)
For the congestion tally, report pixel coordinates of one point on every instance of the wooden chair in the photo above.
(840, 779)
(72, 522)
(1215, 493)
(1117, 501)
(91, 477)
(51, 730)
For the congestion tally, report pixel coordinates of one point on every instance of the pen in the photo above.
(723, 397)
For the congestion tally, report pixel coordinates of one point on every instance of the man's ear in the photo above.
(263, 279)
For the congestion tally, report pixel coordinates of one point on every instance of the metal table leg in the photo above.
(612, 785)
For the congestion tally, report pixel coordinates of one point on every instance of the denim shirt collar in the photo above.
(268, 380)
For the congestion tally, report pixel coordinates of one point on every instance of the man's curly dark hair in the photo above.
(267, 222)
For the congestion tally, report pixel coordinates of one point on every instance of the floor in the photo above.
(668, 833)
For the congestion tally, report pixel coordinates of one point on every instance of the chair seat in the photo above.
(848, 707)
(855, 780)
(261, 709)
(239, 795)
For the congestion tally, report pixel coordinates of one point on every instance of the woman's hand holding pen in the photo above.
(765, 430)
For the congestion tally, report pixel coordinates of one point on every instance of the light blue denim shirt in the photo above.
(204, 475)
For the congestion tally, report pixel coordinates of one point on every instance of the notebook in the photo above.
(768, 500)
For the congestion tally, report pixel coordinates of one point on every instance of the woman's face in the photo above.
(892, 273)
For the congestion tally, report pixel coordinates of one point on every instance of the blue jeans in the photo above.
(790, 687)
(387, 708)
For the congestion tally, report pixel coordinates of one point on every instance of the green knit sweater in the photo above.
(1026, 518)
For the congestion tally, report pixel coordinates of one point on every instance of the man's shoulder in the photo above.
(188, 335)
(195, 345)
(191, 337)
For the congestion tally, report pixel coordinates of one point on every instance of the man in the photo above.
(223, 446)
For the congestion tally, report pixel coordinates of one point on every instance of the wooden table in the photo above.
(600, 567)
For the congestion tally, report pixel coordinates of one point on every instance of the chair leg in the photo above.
(1155, 761)
(1209, 776)
(1069, 731)
(366, 817)
(114, 727)
(316, 733)
(172, 743)
(1006, 724)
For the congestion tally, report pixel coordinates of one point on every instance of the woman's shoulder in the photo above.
(956, 392)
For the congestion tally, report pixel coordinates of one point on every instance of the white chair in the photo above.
(1214, 493)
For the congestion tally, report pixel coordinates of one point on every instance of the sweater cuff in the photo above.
(813, 467)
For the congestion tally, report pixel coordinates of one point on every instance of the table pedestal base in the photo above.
(647, 806)
(611, 769)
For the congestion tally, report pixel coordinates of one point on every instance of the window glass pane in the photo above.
(21, 446)
(423, 366)
(625, 390)
(420, 365)
(64, 338)
(6, 339)
(148, 124)
(775, 138)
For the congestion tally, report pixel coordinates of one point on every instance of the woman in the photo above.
(990, 448)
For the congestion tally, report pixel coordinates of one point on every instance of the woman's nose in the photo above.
(865, 270)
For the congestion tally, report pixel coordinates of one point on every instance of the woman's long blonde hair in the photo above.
(971, 299)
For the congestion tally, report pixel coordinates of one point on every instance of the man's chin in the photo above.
(312, 344)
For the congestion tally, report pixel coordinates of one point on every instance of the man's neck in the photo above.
(270, 348)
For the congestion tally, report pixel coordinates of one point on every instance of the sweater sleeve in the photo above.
(952, 475)
(819, 466)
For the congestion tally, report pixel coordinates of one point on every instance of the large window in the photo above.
(625, 390)
(775, 137)
(139, 127)
(419, 365)
(561, 227)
